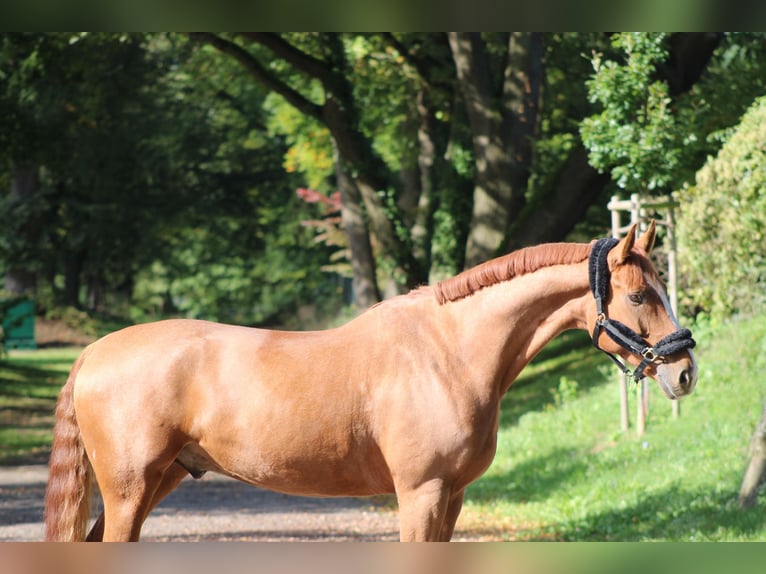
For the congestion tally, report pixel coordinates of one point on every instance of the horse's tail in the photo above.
(70, 476)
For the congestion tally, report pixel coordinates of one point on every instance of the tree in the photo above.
(339, 112)
(755, 474)
(24, 109)
(71, 136)
(404, 211)
(668, 103)
(634, 137)
(445, 148)
(722, 225)
(135, 156)
(230, 245)
(454, 141)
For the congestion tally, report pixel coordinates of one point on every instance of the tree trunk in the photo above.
(503, 126)
(492, 188)
(73, 264)
(553, 216)
(25, 183)
(755, 475)
(96, 293)
(366, 292)
(421, 215)
(356, 152)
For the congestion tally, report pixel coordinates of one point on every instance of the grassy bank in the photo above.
(564, 471)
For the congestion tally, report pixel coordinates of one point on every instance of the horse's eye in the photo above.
(636, 298)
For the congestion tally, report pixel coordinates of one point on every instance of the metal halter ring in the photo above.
(650, 355)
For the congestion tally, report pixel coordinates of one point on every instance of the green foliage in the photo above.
(722, 224)
(566, 391)
(246, 269)
(568, 71)
(162, 189)
(447, 250)
(734, 78)
(386, 92)
(16, 213)
(66, 108)
(648, 142)
(309, 152)
(635, 136)
(167, 173)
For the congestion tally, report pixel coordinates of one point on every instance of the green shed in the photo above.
(19, 324)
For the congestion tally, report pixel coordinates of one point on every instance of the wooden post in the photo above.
(670, 221)
(641, 403)
(624, 416)
(615, 217)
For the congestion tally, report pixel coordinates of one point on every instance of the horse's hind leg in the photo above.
(129, 494)
(126, 503)
(170, 480)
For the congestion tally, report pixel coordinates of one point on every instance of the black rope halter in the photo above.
(620, 333)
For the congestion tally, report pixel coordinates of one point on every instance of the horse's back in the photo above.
(148, 358)
(166, 366)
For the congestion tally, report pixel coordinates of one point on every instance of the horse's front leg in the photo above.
(450, 518)
(422, 510)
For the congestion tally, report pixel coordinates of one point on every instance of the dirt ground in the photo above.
(214, 508)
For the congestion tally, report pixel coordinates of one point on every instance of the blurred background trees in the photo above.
(153, 174)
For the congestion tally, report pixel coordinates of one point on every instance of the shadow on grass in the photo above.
(569, 355)
(673, 515)
(27, 402)
(18, 379)
(32, 376)
(533, 480)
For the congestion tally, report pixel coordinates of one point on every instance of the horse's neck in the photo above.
(504, 326)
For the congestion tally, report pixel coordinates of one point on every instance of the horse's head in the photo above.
(633, 318)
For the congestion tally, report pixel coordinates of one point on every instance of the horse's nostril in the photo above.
(685, 380)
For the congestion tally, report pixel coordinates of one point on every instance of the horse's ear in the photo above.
(646, 241)
(622, 250)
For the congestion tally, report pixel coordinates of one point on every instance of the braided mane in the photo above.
(507, 267)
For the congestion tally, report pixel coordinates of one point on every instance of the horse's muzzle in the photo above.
(677, 379)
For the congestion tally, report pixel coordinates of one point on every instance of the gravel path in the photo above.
(213, 508)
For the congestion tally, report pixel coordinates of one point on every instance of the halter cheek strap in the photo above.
(627, 338)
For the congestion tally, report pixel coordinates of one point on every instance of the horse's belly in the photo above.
(310, 473)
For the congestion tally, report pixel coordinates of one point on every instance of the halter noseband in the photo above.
(620, 333)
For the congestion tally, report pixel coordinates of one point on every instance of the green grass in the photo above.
(29, 384)
(564, 471)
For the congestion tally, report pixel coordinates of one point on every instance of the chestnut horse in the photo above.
(403, 399)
